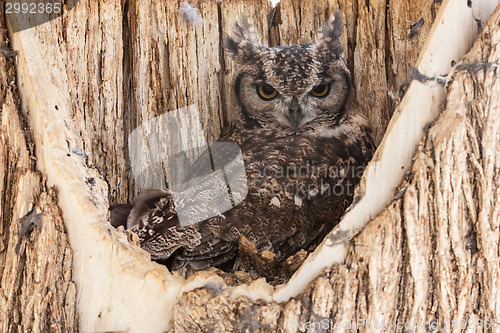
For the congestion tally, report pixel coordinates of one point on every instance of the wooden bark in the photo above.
(115, 64)
(37, 293)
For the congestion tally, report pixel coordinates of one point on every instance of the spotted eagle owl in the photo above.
(304, 146)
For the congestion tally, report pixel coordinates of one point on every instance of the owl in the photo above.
(304, 146)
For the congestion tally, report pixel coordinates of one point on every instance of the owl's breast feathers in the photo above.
(298, 188)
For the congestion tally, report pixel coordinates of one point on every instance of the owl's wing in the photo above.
(153, 218)
(119, 214)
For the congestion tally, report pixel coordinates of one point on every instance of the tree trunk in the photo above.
(37, 293)
(91, 77)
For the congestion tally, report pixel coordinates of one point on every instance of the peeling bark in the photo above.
(37, 293)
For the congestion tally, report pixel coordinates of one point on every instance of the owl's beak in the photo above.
(294, 114)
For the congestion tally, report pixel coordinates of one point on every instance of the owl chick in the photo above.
(304, 146)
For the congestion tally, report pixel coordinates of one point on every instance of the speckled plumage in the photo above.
(303, 155)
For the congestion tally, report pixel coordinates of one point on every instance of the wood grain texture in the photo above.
(91, 39)
(37, 293)
(385, 51)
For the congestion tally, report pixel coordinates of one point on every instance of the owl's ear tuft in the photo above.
(329, 36)
(243, 44)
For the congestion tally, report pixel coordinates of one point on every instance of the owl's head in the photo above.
(299, 88)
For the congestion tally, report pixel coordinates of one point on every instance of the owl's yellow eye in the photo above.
(266, 92)
(321, 90)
